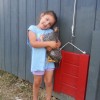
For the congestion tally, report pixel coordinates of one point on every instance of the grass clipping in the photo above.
(14, 88)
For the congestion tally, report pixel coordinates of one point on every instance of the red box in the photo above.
(71, 77)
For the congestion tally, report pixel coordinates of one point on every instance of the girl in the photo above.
(39, 64)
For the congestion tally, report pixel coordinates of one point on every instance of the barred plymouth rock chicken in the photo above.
(54, 55)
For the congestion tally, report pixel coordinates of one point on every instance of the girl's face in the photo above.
(46, 21)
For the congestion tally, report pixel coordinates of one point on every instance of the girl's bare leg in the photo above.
(48, 82)
(36, 85)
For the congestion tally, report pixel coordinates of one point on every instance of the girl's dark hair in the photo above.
(52, 13)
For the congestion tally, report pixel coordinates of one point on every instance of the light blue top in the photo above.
(38, 56)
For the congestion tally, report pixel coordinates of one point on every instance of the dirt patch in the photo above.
(14, 88)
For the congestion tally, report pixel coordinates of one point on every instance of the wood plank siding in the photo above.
(17, 15)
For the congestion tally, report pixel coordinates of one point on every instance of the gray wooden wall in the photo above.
(17, 15)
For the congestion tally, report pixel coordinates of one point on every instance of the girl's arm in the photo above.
(40, 44)
(58, 46)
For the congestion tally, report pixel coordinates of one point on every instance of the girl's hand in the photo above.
(41, 37)
(49, 48)
(58, 44)
(52, 44)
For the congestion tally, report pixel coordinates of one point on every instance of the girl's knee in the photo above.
(48, 83)
(37, 80)
(37, 83)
